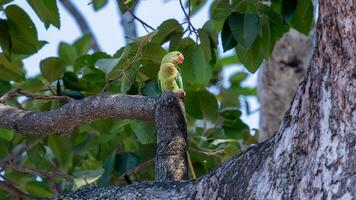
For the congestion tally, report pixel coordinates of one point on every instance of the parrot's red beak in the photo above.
(180, 58)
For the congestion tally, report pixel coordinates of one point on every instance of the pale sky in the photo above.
(106, 26)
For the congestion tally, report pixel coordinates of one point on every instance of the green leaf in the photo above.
(195, 69)
(98, 4)
(144, 131)
(32, 85)
(71, 81)
(85, 177)
(61, 148)
(47, 11)
(52, 68)
(229, 60)
(222, 10)
(125, 161)
(11, 70)
(128, 79)
(22, 30)
(165, 30)
(129, 3)
(5, 38)
(83, 44)
(88, 61)
(6, 134)
(232, 124)
(303, 17)
(244, 28)
(228, 40)
(151, 89)
(205, 44)
(3, 2)
(38, 189)
(201, 105)
(107, 65)
(213, 35)
(251, 57)
(195, 5)
(109, 165)
(67, 53)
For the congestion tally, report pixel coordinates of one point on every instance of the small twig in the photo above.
(144, 24)
(190, 27)
(19, 92)
(40, 173)
(121, 178)
(208, 153)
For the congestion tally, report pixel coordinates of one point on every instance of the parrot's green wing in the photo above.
(179, 81)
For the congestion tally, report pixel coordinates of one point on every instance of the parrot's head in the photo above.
(174, 57)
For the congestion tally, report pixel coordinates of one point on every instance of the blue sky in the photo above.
(106, 26)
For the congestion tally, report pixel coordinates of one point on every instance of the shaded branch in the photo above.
(134, 170)
(19, 92)
(77, 112)
(41, 173)
(79, 18)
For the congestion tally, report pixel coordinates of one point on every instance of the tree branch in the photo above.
(83, 25)
(77, 112)
(144, 24)
(41, 173)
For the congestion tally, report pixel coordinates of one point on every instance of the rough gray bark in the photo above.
(312, 155)
(172, 145)
(279, 77)
(77, 112)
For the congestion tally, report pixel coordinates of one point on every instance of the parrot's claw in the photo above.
(181, 94)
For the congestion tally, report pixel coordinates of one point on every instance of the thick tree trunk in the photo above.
(279, 77)
(312, 155)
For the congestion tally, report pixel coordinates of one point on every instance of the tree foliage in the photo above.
(102, 152)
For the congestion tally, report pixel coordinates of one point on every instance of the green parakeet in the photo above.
(169, 78)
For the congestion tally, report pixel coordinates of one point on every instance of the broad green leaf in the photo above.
(22, 30)
(125, 161)
(165, 30)
(151, 89)
(38, 189)
(47, 11)
(251, 57)
(195, 69)
(144, 131)
(151, 57)
(52, 68)
(201, 105)
(238, 77)
(83, 44)
(85, 177)
(61, 148)
(213, 36)
(128, 79)
(303, 17)
(205, 44)
(32, 85)
(4, 86)
(222, 10)
(229, 60)
(228, 40)
(109, 165)
(195, 5)
(232, 124)
(3, 2)
(6, 134)
(107, 64)
(71, 81)
(5, 38)
(11, 70)
(244, 28)
(88, 61)
(67, 53)
(98, 4)
(5, 147)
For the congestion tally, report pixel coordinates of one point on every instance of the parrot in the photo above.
(169, 78)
